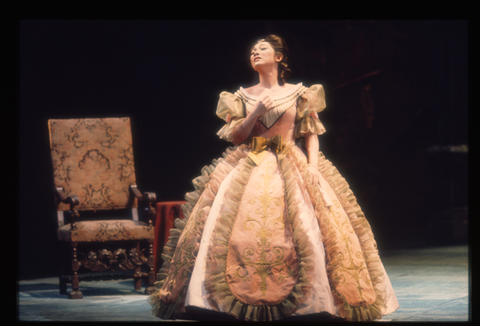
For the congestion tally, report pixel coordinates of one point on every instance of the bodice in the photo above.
(278, 121)
(294, 113)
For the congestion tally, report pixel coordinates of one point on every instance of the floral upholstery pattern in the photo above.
(93, 159)
(106, 230)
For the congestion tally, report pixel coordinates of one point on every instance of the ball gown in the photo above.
(259, 242)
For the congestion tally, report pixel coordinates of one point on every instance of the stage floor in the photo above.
(432, 284)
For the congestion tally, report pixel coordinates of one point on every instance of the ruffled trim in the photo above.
(230, 106)
(219, 294)
(225, 132)
(307, 125)
(211, 178)
(364, 233)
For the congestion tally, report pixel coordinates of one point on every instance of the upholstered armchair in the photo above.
(96, 199)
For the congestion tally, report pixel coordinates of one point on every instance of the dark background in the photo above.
(396, 98)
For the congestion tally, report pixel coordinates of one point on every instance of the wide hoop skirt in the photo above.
(260, 243)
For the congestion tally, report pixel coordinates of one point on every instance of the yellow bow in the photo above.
(260, 144)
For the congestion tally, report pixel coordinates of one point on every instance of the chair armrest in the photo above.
(72, 200)
(150, 198)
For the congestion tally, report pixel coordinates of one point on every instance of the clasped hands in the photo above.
(264, 104)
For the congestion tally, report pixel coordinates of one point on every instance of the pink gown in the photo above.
(259, 242)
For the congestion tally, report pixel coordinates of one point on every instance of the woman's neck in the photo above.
(269, 79)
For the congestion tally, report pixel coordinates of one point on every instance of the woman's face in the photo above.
(263, 54)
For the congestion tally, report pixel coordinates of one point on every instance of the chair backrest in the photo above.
(93, 159)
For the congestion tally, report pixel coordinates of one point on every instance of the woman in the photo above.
(272, 230)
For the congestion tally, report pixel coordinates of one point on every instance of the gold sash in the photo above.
(260, 144)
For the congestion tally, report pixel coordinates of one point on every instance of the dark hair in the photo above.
(280, 47)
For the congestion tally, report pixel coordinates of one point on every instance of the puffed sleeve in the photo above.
(309, 104)
(231, 109)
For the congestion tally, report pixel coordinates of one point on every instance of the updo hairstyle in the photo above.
(280, 47)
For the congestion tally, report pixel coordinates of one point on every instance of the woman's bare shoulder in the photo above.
(288, 87)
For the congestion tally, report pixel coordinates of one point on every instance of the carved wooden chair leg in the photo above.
(63, 271)
(151, 272)
(75, 293)
(137, 276)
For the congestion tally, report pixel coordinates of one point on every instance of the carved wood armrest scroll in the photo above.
(150, 198)
(73, 201)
